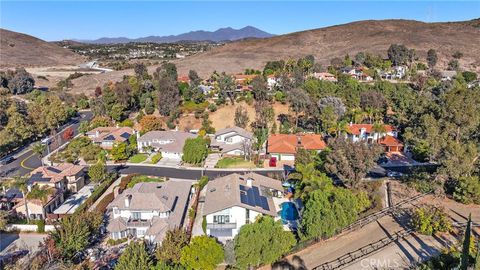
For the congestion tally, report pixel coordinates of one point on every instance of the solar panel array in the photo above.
(251, 196)
(110, 138)
(125, 135)
(55, 170)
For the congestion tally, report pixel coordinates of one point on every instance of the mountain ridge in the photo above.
(221, 34)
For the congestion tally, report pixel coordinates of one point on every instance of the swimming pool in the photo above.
(289, 211)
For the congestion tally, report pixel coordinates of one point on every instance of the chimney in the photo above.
(299, 140)
(351, 123)
(249, 182)
(97, 133)
(128, 199)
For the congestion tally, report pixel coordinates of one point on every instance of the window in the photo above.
(136, 215)
(221, 219)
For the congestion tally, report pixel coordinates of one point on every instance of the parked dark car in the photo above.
(6, 160)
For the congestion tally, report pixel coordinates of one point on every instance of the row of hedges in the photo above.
(99, 190)
(102, 205)
(125, 180)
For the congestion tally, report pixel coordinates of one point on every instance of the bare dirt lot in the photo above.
(225, 116)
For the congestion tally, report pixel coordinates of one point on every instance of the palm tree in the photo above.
(339, 128)
(38, 148)
(21, 184)
(379, 128)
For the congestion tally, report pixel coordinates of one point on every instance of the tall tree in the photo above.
(203, 252)
(38, 148)
(262, 242)
(260, 89)
(351, 161)
(241, 117)
(398, 54)
(432, 58)
(97, 172)
(150, 123)
(226, 84)
(299, 102)
(195, 150)
(329, 210)
(135, 256)
(172, 244)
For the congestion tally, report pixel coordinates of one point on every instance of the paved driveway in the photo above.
(212, 160)
(170, 162)
(25, 241)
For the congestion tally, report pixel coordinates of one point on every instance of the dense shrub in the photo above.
(156, 158)
(429, 219)
(102, 205)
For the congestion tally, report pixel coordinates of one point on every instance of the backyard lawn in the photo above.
(138, 158)
(234, 163)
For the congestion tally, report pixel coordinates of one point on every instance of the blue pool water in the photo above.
(289, 211)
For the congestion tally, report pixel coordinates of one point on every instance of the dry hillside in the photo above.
(20, 50)
(337, 41)
(327, 43)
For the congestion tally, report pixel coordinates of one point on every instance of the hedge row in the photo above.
(102, 205)
(99, 190)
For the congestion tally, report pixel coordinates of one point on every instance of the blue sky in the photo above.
(58, 20)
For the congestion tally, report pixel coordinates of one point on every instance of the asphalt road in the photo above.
(26, 161)
(182, 173)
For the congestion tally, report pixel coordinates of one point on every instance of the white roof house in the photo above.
(170, 143)
(235, 200)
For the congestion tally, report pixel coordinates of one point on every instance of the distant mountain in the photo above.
(222, 34)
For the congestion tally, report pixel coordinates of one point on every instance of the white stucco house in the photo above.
(366, 132)
(234, 141)
(149, 210)
(235, 200)
(170, 143)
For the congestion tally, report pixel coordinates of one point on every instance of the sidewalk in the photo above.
(197, 229)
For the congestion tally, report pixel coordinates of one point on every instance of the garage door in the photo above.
(221, 232)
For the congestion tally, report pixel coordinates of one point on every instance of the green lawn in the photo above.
(234, 163)
(143, 179)
(138, 158)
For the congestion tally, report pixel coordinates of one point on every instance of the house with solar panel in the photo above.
(47, 186)
(107, 137)
(62, 176)
(235, 200)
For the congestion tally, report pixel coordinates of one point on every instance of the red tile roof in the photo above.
(288, 143)
(355, 128)
(390, 141)
(56, 173)
(183, 79)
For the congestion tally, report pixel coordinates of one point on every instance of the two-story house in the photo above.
(39, 207)
(107, 137)
(170, 143)
(63, 176)
(235, 200)
(232, 141)
(386, 136)
(149, 210)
